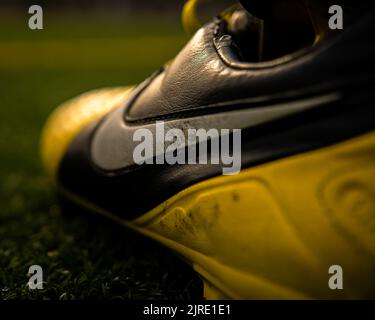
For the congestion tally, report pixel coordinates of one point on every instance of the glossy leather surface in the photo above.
(201, 77)
(200, 82)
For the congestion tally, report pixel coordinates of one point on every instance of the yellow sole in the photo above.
(273, 231)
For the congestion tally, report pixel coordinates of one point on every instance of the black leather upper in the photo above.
(200, 77)
(204, 79)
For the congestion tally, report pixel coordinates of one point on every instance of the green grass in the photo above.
(82, 257)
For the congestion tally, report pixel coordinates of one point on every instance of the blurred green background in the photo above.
(84, 45)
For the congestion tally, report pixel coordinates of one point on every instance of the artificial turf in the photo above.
(82, 257)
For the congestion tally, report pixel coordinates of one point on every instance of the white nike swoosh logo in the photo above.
(112, 145)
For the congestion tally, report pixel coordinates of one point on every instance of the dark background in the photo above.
(84, 45)
(151, 5)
